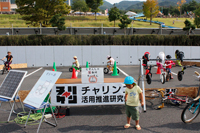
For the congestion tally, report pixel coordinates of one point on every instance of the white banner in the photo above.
(88, 94)
(41, 89)
(92, 75)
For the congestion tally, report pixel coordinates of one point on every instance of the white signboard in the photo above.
(41, 89)
(88, 94)
(92, 75)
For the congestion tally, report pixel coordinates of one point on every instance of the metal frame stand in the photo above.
(12, 106)
(141, 75)
(44, 107)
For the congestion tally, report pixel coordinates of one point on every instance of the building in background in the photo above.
(10, 5)
(5, 6)
(69, 2)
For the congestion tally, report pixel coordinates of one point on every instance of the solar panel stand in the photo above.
(11, 111)
(12, 97)
(13, 107)
(53, 124)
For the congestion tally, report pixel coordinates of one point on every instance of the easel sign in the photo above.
(92, 75)
(41, 89)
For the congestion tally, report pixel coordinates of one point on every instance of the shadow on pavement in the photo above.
(98, 110)
(92, 128)
(180, 125)
(11, 127)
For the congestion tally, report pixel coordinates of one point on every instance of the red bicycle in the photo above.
(5, 68)
(176, 99)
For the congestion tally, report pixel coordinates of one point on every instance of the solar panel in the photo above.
(11, 83)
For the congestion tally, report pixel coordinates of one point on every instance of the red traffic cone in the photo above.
(73, 74)
(53, 70)
(147, 71)
(158, 71)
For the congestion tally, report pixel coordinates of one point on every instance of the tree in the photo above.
(151, 9)
(36, 12)
(125, 21)
(113, 14)
(80, 5)
(94, 5)
(180, 3)
(197, 18)
(58, 21)
(188, 26)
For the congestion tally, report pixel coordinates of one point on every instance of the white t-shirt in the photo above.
(112, 61)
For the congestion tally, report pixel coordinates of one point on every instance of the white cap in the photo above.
(75, 57)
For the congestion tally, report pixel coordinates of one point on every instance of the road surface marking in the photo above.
(123, 72)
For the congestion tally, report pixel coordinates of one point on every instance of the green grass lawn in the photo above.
(88, 21)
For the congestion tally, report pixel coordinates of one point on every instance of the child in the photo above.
(169, 64)
(9, 59)
(133, 94)
(76, 62)
(111, 61)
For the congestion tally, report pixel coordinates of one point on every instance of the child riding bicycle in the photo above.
(111, 61)
(76, 62)
(169, 64)
(9, 58)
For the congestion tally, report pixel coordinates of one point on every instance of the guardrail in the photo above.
(94, 30)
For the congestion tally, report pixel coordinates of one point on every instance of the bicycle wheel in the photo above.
(180, 76)
(105, 70)
(118, 71)
(175, 102)
(154, 97)
(190, 112)
(70, 69)
(3, 71)
(167, 77)
(162, 78)
(148, 78)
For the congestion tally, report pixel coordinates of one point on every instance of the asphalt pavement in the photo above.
(98, 119)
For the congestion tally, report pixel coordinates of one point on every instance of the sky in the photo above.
(117, 1)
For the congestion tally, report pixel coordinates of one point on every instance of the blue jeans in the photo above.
(168, 69)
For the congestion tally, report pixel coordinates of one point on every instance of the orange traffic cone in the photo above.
(158, 71)
(74, 74)
(147, 71)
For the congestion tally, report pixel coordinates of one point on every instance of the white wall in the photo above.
(95, 55)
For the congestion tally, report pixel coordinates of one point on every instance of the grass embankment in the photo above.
(88, 21)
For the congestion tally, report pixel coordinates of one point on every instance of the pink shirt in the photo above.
(112, 61)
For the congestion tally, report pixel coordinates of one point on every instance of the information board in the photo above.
(92, 75)
(12, 83)
(88, 94)
(41, 89)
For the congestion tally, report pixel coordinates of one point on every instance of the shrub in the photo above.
(57, 40)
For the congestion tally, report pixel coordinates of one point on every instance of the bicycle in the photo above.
(179, 55)
(106, 70)
(163, 73)
(160, 96)
(156, 97)
(168, 75)
(5, 67)
(76, 68)
(191, 111)
(149, 74)
(176, 99)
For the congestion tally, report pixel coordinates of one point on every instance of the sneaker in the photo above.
(111, 72)
(172, 77)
